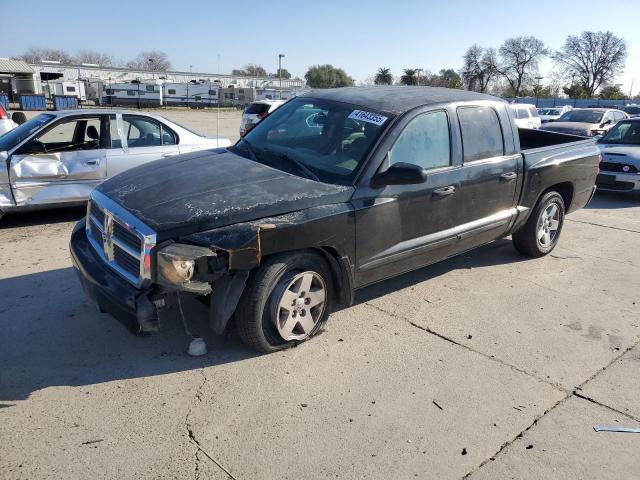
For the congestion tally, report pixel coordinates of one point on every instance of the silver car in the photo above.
(586, 122)
(620, 166)
(57, 158)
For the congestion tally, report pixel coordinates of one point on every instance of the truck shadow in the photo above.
(51, 336)
(612, 200)
(42, 217)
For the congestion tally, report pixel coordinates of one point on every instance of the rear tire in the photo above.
(540, 234)
(286, 301)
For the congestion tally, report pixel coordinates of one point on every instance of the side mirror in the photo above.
(400, 174)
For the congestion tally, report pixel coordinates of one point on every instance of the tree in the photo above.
(89, 56)
(479, 67)
(327, 76)
(251, 70)
(409, 76)
(576, 90)
(519, 58)
(447, 78)
(612, 92)
(592, 58)
(285, 73)
(152, 61)
(38, 54)
(383, 76)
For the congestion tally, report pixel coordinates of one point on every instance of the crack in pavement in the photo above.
(568, 393)
(192, 435)
(608, 407)
(490, 357)
(603, 226)
(574, 393)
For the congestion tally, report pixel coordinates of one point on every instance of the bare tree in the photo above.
(592, 59)
(38, 54)
(519, 58)
(152, 61)
(89, 56)
(479, 67)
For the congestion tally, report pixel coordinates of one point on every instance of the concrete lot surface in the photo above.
(486, 366)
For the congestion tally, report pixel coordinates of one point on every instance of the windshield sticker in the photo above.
(368, 117)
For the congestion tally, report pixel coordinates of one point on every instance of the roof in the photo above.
(101, 111)
(398, 99)
(14, 66)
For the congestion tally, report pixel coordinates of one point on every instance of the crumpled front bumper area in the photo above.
(114, 295)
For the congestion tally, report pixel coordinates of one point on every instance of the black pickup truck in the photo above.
(335, 190)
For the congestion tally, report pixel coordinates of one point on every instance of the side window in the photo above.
(534, 112)
(168, 137)
(141, 132)
(72, 135)
(425, 141)
(481, 133)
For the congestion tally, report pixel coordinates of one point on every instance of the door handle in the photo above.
(92, 162)
(444, 191)
(165, 155)
(507, 177)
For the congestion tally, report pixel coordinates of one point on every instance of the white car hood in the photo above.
(621, 153)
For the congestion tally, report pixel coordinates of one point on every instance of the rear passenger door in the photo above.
(490, 173)
(137, 139)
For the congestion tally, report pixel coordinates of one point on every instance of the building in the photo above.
(16, 77)
(48, 71)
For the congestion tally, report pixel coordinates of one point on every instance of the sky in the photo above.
(357, 36)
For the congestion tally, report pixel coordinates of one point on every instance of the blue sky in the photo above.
(358, 36)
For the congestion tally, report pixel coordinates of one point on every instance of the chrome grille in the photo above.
(121, 240)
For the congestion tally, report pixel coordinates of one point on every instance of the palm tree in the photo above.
(383, 76)
(409, 76)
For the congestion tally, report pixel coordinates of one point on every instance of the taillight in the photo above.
(3, 113)
(262, 115)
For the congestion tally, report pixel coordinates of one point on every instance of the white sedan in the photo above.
(57, 158)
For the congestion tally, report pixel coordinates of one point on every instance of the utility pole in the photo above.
(631, 89)
(280, 57)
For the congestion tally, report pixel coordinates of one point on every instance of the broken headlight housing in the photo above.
(185, 267)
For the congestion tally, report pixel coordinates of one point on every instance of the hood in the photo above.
(210, 189)
(570, 127)
(621, 153)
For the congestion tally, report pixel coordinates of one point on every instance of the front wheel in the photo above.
(540, 234)
(286, 301)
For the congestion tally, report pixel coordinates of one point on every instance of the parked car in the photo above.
(526, 115)
(620, 166)
(553, 113)
(57, 158)
(586, 122)
(256, 112)
(281, 228)
(632, 110)
(6, 124)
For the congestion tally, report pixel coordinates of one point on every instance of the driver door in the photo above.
(62, 164)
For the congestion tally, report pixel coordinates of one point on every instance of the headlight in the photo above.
(184, 267)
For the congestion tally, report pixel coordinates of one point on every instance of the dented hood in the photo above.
(205, 190)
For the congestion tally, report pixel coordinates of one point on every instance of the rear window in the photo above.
(534, 112)
(257, 108)
(481, 133)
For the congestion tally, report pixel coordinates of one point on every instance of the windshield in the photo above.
(583, 116)
(313, 138)
(627, 133)
(22, 132)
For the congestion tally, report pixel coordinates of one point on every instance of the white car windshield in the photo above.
(24, 131)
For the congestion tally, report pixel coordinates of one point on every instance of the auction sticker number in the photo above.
(368, 117)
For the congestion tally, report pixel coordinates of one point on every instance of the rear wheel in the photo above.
(540, 234)
(287, 300)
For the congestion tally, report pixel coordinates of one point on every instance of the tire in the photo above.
(263, 321)
(19, 117)
(540, 234)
